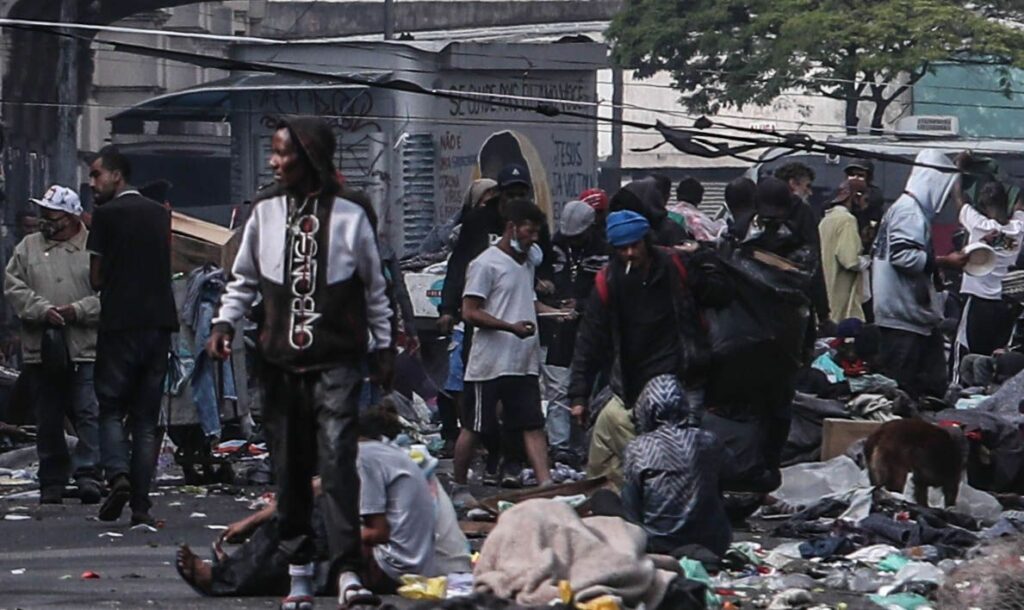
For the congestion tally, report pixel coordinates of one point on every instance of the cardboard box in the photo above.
(838, 434)
(195, 243)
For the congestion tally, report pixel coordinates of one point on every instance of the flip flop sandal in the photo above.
(218, 553)
(358, 596)
(297, 602)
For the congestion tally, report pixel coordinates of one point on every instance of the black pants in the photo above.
(916, 362)
(758, 380)
(130, 370)
(448, 409)
(260, 566)
(989, 324)
(59, 395)
(311, 421)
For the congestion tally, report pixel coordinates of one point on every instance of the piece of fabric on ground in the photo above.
(538, 543)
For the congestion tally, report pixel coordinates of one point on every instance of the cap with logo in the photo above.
(62, 199)
(595, 198)
(513, 174)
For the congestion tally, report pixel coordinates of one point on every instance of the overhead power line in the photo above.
(689, 139)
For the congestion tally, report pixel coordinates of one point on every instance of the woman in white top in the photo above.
(987, 320)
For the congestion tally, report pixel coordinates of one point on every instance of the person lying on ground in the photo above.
(398, 533)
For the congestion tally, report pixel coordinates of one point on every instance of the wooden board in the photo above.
(838, 434)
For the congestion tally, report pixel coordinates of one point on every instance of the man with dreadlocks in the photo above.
(313, 257)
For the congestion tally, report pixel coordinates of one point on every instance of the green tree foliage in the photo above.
(725, 53)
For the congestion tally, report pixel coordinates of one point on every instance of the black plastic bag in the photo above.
(54, 352)
(770, 305)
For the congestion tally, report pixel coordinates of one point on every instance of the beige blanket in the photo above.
(538, 543)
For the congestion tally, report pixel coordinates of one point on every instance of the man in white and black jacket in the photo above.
(313, 256)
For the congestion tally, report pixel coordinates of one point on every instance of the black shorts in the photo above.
(519, 396)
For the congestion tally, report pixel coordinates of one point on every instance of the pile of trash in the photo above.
(861, 541)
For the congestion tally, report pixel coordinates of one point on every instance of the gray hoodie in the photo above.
(905, 296)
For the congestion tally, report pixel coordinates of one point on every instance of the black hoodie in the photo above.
(645, 198)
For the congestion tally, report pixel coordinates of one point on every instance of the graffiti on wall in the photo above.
(454, 167)
(350, 112)
(571, 169)
(486, 93)
(347, 110)
(566, 146)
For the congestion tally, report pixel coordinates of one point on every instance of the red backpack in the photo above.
(601, 279)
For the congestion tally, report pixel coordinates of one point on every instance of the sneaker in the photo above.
(491, 478)
(512, 476)
(142, 518)
(461, 496)
(511, 481)
(120, 492)
(89, 491)
(51, 495)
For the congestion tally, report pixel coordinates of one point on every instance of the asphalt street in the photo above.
(43, 558)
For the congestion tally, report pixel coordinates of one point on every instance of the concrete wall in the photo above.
(319, 18)
(813, 114)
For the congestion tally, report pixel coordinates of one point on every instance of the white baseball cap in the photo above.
(62, 199)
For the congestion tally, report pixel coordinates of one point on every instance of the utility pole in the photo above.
(616, 159)
(65, 153)
(389, 19)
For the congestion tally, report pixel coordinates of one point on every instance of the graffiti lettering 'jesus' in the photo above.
(303, 282)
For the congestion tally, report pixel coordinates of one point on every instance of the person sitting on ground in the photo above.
(672, 472)
(398, 530)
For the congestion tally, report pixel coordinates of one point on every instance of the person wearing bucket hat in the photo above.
(47, 285)
(987, 320)
(311, 253)
(579, 253)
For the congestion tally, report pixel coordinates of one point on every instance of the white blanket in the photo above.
(538, 543)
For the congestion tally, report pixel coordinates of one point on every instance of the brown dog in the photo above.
(934, 454)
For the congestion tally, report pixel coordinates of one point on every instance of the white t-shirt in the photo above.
(506, 286)
(393, 485)
(1006, 244)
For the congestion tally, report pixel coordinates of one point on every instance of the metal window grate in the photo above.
(418, 194)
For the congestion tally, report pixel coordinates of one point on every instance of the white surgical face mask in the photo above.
(536, 255)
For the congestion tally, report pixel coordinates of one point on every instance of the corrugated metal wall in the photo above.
(418, 196)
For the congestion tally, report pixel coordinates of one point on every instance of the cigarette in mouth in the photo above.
(629, 265)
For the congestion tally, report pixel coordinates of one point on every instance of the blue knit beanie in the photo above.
(626, 227)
